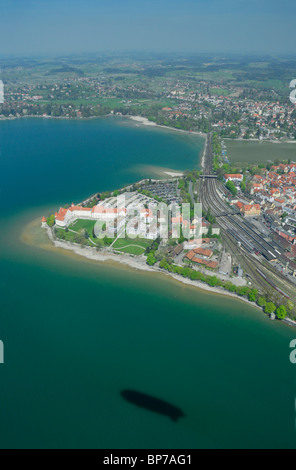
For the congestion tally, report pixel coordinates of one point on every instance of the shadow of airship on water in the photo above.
(152, 404)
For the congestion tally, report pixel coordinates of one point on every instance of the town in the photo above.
(238, 232)
(206, 95)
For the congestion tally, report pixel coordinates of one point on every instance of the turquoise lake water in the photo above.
(76, 332)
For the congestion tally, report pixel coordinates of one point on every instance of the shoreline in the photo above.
(140, 119)
(203, 158)
(145, 121)
(139, 263)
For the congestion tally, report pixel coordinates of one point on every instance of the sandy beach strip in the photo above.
(146, 122)
(139, 263)
(28, 236)
(173, 173)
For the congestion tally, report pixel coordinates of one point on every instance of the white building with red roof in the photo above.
(101, 212)
(235, 177)
(66, 216)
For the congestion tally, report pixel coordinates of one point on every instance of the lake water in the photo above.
(259, 152)
(77, 332)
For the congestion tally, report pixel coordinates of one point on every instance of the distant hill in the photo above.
(66, 69)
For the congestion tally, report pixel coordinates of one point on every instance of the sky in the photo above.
(77, 26)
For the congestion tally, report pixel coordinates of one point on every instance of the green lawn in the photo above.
(132, 250)
(142, 242)
(219, 91)
(81, 223)
(134, 247)
(69, 236)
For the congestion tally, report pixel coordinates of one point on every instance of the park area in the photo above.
(82, 231)
(136, 246)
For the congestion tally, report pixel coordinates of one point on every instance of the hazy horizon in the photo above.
(96, 26)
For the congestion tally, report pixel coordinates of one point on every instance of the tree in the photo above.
(151, 260)
(253, 295)
(61, 234)
(281, 312)
(284, 215)
(163, 264)
(50, 220)
(213, 281)
(84, 233)
(261, 301)
(243, 186)
(269, 307)
(231, 187)
(107, 241)
(242, 290)
(229, 286)
(210, 217)
(290, 305)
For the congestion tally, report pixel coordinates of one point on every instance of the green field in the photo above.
(70, 236)
(219, 91)
(135, 246)
(83, 224)
(132, 246)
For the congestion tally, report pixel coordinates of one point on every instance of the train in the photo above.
(272, 284)
(248, 247)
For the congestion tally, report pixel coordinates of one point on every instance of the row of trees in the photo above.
(242, 291)
(270, 307)
(231, 187)
(69, 109)
(217, 151)
(150, 252)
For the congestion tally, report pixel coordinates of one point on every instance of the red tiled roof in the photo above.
(79, 208)
(190, 254)
(209, 264)
(203, 252)
(107, 210)
(198, 241)
(61, 214)
(234, 175)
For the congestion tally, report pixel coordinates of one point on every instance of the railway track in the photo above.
(235, 229)
(247, 264)
(240, 229)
